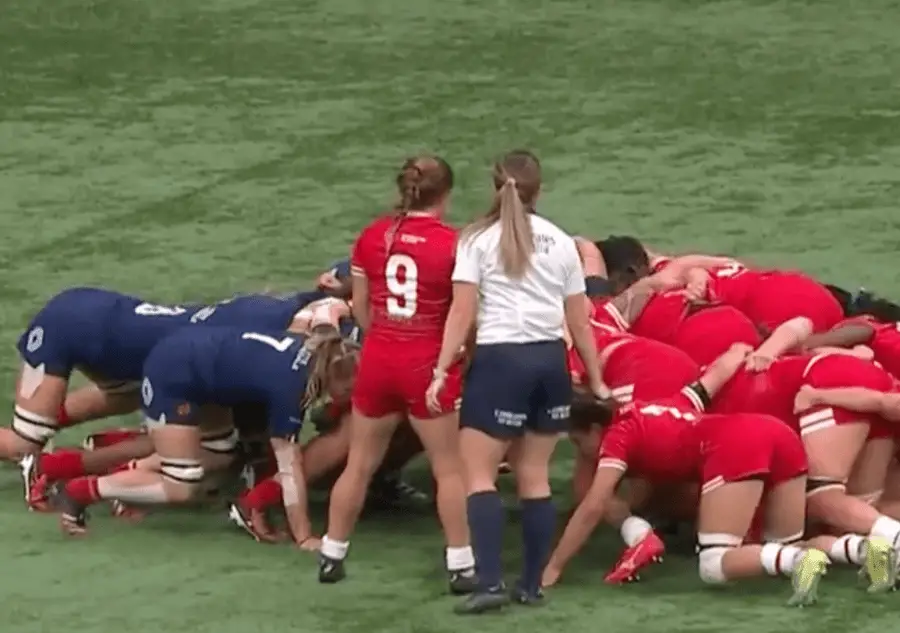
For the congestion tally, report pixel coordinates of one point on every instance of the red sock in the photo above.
(62, 464)
(114, 436)
(62, 416)
(83, 490)
(263, 495)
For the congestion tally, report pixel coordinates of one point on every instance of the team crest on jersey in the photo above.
(35, 339)
(183, 410)
(146, 392)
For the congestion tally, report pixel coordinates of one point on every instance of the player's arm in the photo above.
(464, 307)
(285, 419)
(360, 299)
(859, 399)
(848, 335)
(586, 517)
(788, 336)
(682, 264)
(717, 375)
(327, 311)
(596, 277)
(577, 320)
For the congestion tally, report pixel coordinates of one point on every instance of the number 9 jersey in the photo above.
(408, 263)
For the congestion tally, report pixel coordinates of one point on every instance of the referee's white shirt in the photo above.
(526, 310)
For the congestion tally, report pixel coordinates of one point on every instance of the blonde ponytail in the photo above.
(333, 361)
(516, 236)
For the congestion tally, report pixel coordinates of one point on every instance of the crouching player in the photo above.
(744, 461)
(221, 366)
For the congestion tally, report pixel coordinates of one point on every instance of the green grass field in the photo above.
(192, 149)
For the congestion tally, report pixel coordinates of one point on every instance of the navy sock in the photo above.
(487, 519)
(538, 528)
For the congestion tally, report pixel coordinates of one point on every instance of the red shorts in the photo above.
(748, 446)
(393, 378)
(709, 332)
(830, 371)
(780, 297)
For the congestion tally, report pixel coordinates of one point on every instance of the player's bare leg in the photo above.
(180, 463)
(35, 417)
(369, 441)
(93, 402)
(867, 480)
(832, 454)
(725, 516)
(440, 439)
(889, 501)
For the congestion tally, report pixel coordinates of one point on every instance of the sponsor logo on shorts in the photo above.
(146, 392)
(509, 418)
(35, 339)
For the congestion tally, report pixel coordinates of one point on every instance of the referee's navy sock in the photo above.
(538, 529)
(487, 519)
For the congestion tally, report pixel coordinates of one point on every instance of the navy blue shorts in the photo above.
(69, 331)
(169, 390)
(512, 388)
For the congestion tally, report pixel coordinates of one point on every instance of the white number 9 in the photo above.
(151, 309)
(402, 302)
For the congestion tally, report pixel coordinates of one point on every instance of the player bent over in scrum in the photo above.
(298, 313)
(402, 291)
(739, 457)
(225, 367)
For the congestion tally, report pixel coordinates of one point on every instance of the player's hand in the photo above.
(805, 399)
(600, 390)
(741, 350)
(310, 544)
(758, 363)
(433, 393)
(863, 352)
(696, 286)
(550, 576)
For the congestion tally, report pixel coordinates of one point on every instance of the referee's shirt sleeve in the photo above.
(468, 262)
(573, 270)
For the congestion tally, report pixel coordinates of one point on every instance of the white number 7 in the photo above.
(280, 345)
(402, 304)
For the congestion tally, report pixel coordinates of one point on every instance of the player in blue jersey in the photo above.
(196, 367)
(117, 321)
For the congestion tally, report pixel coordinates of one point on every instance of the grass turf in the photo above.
(186, 150)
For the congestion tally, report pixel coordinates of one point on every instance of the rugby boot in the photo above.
(642, 554)
(72, 515)
(879, 568)
(811, 566)
(331, 570)
(35, 484)
(462, 582)
(253, 522)
(519, 595)
(483, 601)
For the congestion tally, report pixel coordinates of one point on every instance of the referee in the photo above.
(520, 278)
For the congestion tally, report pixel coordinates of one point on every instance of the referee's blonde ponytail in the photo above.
(517, 183)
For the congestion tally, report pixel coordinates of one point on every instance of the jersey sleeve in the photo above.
(285, 414)
(693, 397)
(606, 314)
(358, 255)
(467, 268)
(615, 448)
(574, 271)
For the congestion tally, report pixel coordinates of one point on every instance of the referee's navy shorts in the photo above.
(512, 388)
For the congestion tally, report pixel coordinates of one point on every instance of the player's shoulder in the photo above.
(377, 227)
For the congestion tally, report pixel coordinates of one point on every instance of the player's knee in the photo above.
(712, 549)
(33, 428)
(183, 478)
(791, 539)
(870, 498)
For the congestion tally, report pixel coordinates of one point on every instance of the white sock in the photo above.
(336, 550)
(778, 559)
(886, 527)
(634, 529)
(848, 549)
(150, 493)
(460, 558)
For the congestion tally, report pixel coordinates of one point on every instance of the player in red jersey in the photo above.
(882, 338)
(402, 290)
(848, 451)
(742, 460)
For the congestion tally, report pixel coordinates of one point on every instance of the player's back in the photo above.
(264, 312)
(662, 438)
(771, 392)
(661, 316)
(235, 366)
(733, 284)
(653, 364)
(408, 265)
(132, 330)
